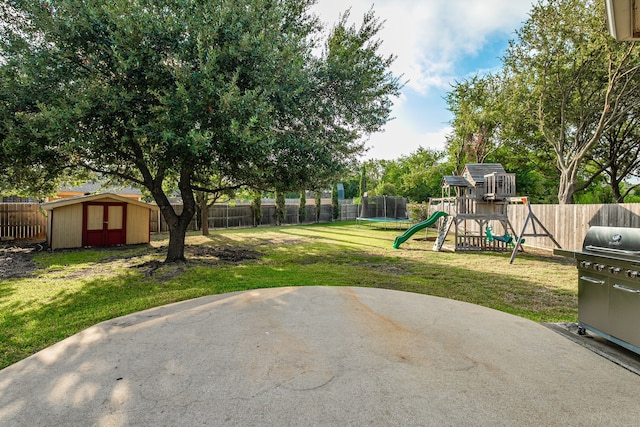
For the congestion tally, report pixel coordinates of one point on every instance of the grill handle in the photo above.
(592, 280)
(625, 289)
(611, 251)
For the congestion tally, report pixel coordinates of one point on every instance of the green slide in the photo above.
(419, 226)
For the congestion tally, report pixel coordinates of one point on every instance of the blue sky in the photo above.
(437, 42)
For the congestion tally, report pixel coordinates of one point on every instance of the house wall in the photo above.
(138, 222)
(66, 227)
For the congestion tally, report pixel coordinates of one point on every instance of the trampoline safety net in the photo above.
(384, 207)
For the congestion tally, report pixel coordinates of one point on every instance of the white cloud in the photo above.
(401, 138)
(428, 37)
(433, 41)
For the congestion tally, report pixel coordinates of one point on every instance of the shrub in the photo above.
(418, 211)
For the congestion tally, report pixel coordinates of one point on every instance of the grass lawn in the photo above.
(70, 290)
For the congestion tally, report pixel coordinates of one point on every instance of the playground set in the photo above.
(476, 204)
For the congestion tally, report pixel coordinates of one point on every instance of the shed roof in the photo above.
(455, 181)
(49, 206)
(477, 171)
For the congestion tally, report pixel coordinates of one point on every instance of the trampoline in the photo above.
(384, 210)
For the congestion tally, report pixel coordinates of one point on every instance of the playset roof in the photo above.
(472, 175)
(475, 172)
(455, 181)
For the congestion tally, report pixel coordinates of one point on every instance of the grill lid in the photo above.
(613, 240)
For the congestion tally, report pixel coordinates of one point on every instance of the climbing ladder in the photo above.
(442, 233)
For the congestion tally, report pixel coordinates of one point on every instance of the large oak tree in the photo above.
(163, 93)
(573, 80)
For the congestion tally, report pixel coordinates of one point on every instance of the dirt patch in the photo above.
(220, 253)
(548, 256)
(199, 255)
(425, 239)
(16, 258)
(387, 268)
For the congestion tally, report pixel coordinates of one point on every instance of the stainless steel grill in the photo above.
(609, 284)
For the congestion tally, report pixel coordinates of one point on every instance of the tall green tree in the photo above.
(390, 182)
(335, 205)
(375, 171)
(363, 181)
(617, 156)
(416, 176)
(168, 93)
(572, 78)
(488, 128)
(477, 105)
(423, 177)
(205, 200)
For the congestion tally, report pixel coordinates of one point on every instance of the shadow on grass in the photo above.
(28, 330)
(77, 256)
(6, 290)
(336, 238)
(390, 235)
(436, 276)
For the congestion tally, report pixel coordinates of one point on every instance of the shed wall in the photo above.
(66, 227)
(138, 222)
(65, 223)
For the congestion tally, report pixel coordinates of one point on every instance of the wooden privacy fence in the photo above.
(569, 223)
(22, 221)
(240, 215)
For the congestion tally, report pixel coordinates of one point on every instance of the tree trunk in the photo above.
(177, 227)
(363, 181)
(302, 208)
(204, 213)
(318, 203)
(615, 188)
(565, 196)
(256, 210)
(177, 223)
(567, 187)
(177, 236)
(281, 208)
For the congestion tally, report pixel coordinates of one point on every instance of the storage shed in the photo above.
(97, 220)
